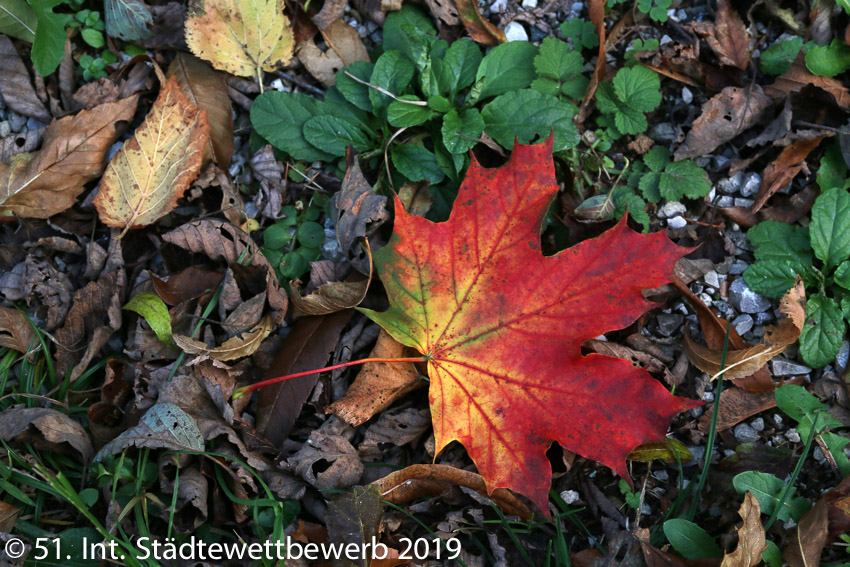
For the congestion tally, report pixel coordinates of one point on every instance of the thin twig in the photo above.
(386, 92)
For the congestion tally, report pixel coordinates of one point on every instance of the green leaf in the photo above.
(626, 201)
(796, 402)
(48, 46)
(690, 540)
(772, 278)
(582, 32)
(507, 67)
(402, 115)
(832, 172)
(354, 92)
(632, 498)
(842, 275)
(440, 104)
(280, 117)
(153, 309)
(527, 114)
(460, 64)
(575, 87)
(127, 19)
(657, 158)
(416, 163)
(828, 60)
(277, 236)
(777, 59)
(657, 9)
(393, 72)
(650, 186)
(835, 444)
(830, 227)
(823, 332)
(638, 88)
(774, 240)
(411, 32)
(459, 127)
(18, 20)
(310, 234)
(767, 488)
(546, 86)
(772, 556)
(331, 134)
(93, 37)
(684, 178)
(556, 60)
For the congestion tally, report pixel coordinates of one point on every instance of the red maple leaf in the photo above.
(502, 326)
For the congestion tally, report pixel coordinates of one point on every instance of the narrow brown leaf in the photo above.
(152, 170)
(417, 481)
(344, 47)
(378, 384)
(807, 543)
(478, 27)
(231, 349)
(751, 537)
(724, 116)
(786, 166)
(16, 332)
(206, 89)
(736, 405)
(16, 86)
(596, 10)
(727, 36)
(8, 516)
(47, 429)
(44, 183)
(307, 346)
(331, 296)
(798, 76)
(188, 284)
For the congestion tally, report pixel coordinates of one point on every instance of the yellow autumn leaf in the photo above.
(241, 37)
(152, 170)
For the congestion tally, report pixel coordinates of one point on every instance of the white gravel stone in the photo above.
(743, 323)
(515, 32)
(784, 367)
(661, 475)
(671, 209)
(687, 95)
(498, 6)
(712, 278)
(529, 4)
(792, 436)
(570, 496)
(745, 433)
(746, 300)
(751, 185)
(757, 424)
(731, 184)
(677, 222)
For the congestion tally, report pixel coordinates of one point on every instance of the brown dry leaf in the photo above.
(307, 346)
(677, 60)
(331, 10)
(741, 363)
(596, 11)
(736, 405)
(727, 36)
(784, 168)
(20, 143)
(724, 116)
(46, 429)
(152, 170)
(342, 467)
(331, 296)
(43, 287)
(445, 11)
(395, 427)
(808, 541)
(344, 48)
(16, 87)
(637, 358)
(378, 384)
(206, 89)
(241, 37)
(416, 198)
(751, 537)
(358, 212)
(16, 332)
(479, 28)
(417, 481)
(94, 316)
(798, 76)
(220, 240)
(44, 183)
(8, 516)
(232, 348)
(188, 284)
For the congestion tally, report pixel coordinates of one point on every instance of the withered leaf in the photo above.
(751, 536)
(241, 37)
(8, 516)
(47, 429)
(354, 517)
(727, 36)
(780, 172)
(232, 348)
(378, 384)
(744, 362)
(479, 28)
(331, 296)
(16, 87)
(307, 346)
(188, 284)
(152, 170)
(344, 47)
(206, 89)
(44, 183)
(42, 286)
(798, 76)
(164, 426)
(16, 332)
(809, 539)
(724, 116)
(344, 468)
(15, 144)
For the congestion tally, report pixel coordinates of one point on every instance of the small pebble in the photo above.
(725, 201)
(792, 436)
(16, 121)
(33, 124)
(762, 318)
(645, 509)
(663, 133)
(575, 10)
(665, 39)
(842, 356)
(818, 455)
(712, 278)
(742, 202)
(661, 475)
(515, 32)
(751, 185)
(687, 95)
(745, 433)
(677, 222)
(757, 424)
(498, 6)
(746, 300)
(671, 209)
(737, 268)
(278, 85)
(5, 129)
(529, 4)
(783, 367)
(777, 419)
(743, 323)
(708, 396)
(570, 496)
(720, 161)
(705, 298)
(732, 184)
(669, 323)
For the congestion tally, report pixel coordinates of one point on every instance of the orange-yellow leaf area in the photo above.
(502, 327)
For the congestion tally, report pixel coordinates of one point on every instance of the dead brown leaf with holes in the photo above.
(727, 36)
